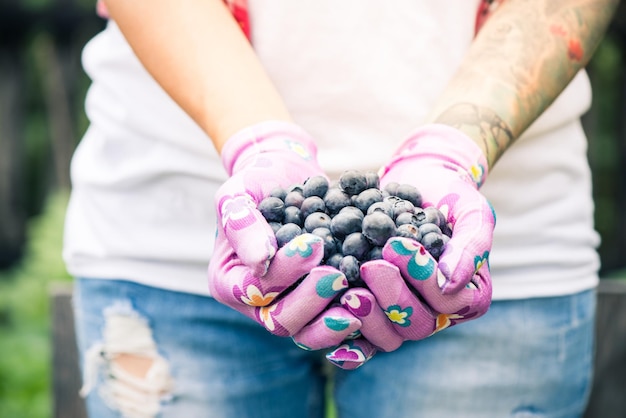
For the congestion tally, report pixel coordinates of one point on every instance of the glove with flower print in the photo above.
(411, 295)
(286, 291)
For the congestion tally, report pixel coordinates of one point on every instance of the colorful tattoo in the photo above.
(522, 58)
(479, 123)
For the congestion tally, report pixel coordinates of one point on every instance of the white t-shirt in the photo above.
(359, 76)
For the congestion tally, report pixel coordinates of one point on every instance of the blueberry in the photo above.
(334, 260)
(353, 210)
(408, 231)
(376, 253)
(431, 239)
(410, 193)
(335, 199)
(391, 199)
(378, 228)
(286, 233)
(435, 252)
(272, 209)
(372, 180)
(349, 266)
(367, 198)
(294, 198)
(354, 218)
(391, 188)
(275, 226)
(434, 215)
(445, 239)
(296, 188)
(317, 220)
(278, 192)
(315, 186)
(384, 207)
(401, 206)
(420, 216)
(433, 243)
(330, 244)
(356, 245)
(428, 228)
(407, 218)
(352, 182)
(292, 215)
(446, 230)
(344, 224)
(312, 204)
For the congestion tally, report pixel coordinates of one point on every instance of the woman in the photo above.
(185, 111)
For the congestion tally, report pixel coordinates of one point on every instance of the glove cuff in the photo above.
(263, 137)
(447, 145)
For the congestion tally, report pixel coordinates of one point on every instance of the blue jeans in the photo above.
(524, 358)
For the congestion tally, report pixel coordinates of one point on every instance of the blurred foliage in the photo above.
(37, 163)
(25, 346)
(607, 150)
(25, 349)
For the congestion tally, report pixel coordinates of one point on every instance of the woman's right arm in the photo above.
(199, 55)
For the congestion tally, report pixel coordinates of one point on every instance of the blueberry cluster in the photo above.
(354, 217)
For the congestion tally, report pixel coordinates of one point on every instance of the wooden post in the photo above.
(607, 395)
(66, 379)
(12, 216)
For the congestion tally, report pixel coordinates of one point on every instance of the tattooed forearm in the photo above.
(520, 61)
(479, 123)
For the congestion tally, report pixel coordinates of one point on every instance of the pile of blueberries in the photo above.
(354, 217)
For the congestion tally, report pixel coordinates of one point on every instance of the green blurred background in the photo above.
(41, 120)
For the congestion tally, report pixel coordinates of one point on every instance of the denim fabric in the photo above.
(524, 358)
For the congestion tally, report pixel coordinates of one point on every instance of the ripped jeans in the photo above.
(148, 352)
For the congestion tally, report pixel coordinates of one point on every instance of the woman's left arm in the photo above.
(520, 61)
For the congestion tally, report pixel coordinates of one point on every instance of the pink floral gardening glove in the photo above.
(411, 295)
(286, 291)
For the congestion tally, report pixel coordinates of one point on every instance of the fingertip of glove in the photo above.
(379, 271)
(258, 261)
(451, 287)
(358, 302)
(308, 247)
(350, 356)
(345, 364)
(459, 271)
